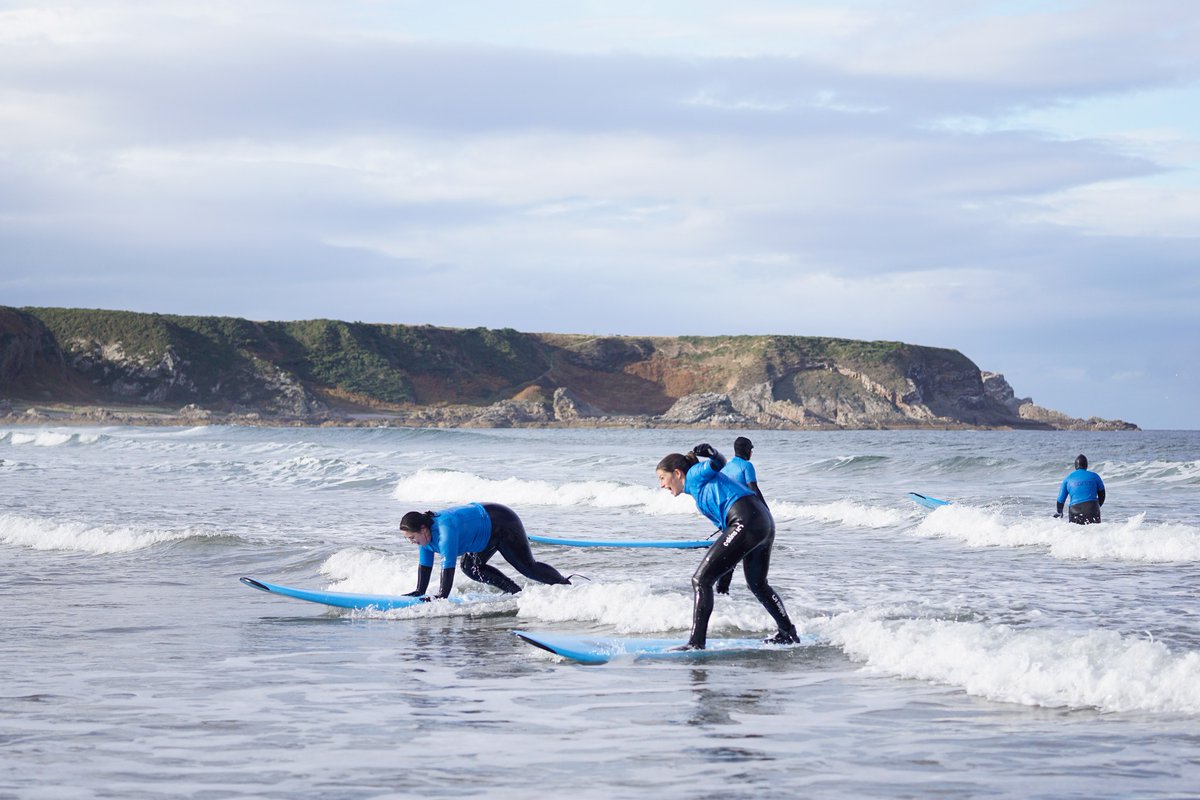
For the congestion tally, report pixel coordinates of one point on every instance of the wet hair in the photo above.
(678, 461)
(742, 447)
(1081, 461)
(414, 521)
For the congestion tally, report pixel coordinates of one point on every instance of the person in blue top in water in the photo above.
(741, 470)
(476, 532)
(748, 532)
(1086, 491)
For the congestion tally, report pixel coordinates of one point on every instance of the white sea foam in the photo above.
(430, 485)
(624, 608)
(42, 438)
(1093, 669)
(365, 571)
(362, 571)
(636, 609)
(844, 512)
(1130, 540)
(40, 534)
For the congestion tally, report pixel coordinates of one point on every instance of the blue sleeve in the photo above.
(448, 547)
(1099, 483)
(751, 475)
(1062, 493)
(425, 556)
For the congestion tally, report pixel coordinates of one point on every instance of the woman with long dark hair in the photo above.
(747, 534)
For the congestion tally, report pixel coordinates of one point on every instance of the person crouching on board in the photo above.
(741, 470)
(476, 532)
(748, 532)
(1086, 491)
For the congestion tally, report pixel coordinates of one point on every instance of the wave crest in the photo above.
(40, 534)
(1055, 669)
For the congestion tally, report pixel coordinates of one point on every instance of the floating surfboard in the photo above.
(382, 602)
(925, 500)
(601, 649)
(676, 543)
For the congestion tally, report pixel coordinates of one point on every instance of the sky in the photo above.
(1019, 181)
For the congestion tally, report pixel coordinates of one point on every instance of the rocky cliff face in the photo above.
(322, 370)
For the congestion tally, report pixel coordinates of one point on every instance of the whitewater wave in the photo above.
(842, 512)
(49, 438)
(40, 534)
(449, 486)
(1130, 540)
(625, 607)
(1055, 669)
(364, 571)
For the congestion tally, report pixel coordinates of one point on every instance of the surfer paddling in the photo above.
(476, 532)
(747, 534)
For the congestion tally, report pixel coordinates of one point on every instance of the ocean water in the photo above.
(980, 650)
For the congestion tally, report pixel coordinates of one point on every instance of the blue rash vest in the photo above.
(714, 491)
(457, 530)
(740, 470)
(1082, 485)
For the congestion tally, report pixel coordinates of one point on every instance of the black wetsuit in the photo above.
(748, 535)
(510, 540)
(1087, 513)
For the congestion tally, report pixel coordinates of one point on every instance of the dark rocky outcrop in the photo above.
(196, 370)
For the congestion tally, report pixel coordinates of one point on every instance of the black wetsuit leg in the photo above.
(1084, 513)
(748, 534)
(510, 540)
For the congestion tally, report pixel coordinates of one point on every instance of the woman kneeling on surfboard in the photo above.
(748, 532)
(475, 532)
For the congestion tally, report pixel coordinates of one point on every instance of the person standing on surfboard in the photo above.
(748, 532)
(741, 470)
(476, 532)
(1086, 491)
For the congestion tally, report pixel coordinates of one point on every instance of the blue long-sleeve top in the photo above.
(1082, 485)
(457, 530)
(714, 491)
(740, 470)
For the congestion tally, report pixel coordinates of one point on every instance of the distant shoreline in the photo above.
(33, 414)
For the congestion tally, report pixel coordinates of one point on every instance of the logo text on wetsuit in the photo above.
(733, 532)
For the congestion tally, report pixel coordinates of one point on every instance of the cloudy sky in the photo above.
(1017, 180)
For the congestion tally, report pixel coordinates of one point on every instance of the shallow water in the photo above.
(980, 650)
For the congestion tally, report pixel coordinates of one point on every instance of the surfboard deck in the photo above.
(927, 501)
(602, 649)
(683, 544)
(381, 602)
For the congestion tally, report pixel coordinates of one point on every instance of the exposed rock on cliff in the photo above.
(224, 369)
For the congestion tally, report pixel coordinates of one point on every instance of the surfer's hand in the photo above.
(704, 450)
(1058, 515)
(426, 599)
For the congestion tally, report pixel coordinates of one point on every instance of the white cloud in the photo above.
(845, 169)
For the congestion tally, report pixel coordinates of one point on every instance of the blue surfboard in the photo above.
(683, 544)
(927, 501)
(381, 602)
(602, 649)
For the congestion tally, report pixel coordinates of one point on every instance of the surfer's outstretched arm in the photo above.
(423, 575)
(447, 582)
